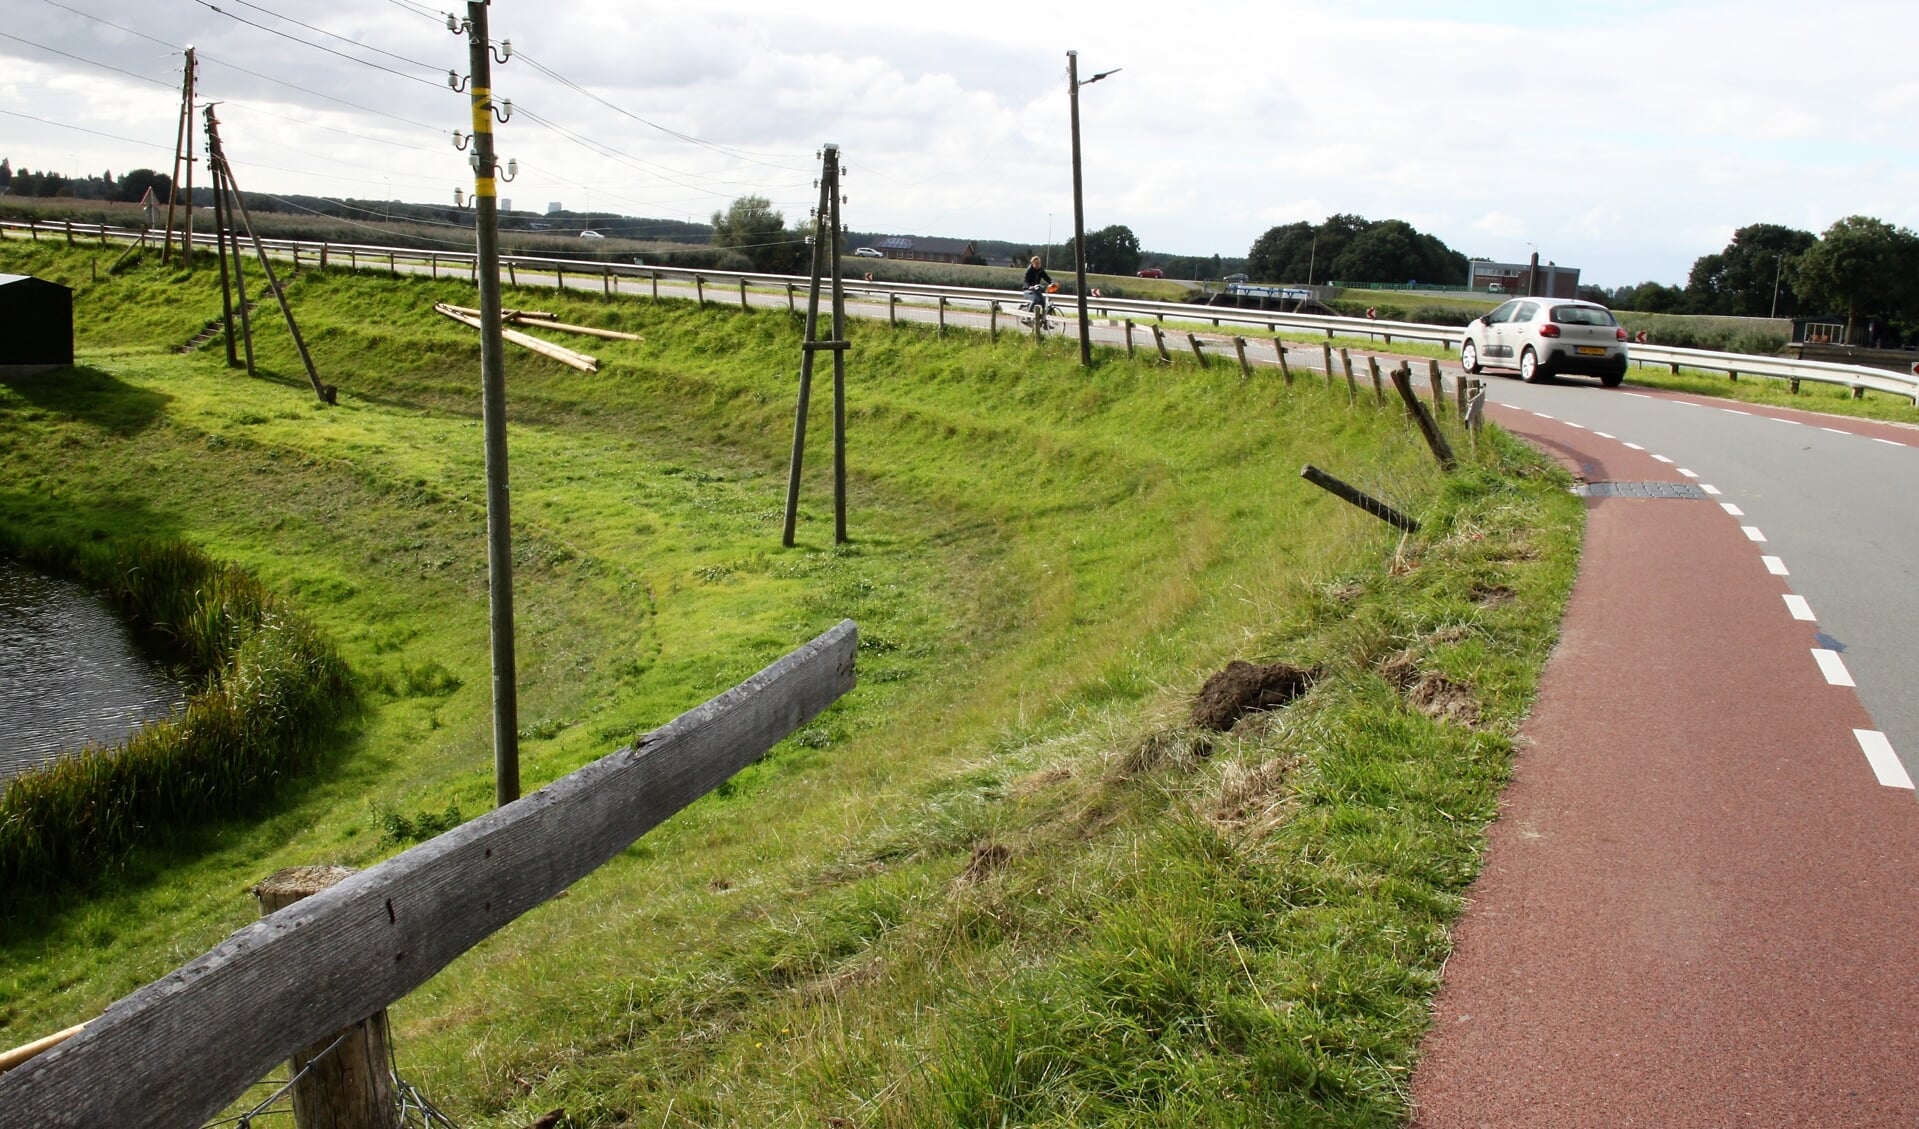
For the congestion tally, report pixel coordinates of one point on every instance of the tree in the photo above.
(1113, 250)
(1752, 276)
(757, 231)
(1863, 266)
(134, 185)
(6, 174)
(1353, 247)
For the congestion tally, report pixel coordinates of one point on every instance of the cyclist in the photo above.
(1035, 284)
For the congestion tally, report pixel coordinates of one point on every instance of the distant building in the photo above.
(1551, 281)
(553, 207)
(926, 250)
(36, 325)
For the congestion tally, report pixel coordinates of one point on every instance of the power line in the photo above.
(316, 46)
(335, 35)
(670, 132)
(87, 61)
(648, 167)
(83, 129)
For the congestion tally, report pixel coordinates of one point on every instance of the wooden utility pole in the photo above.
(1079, 209)
(182, 158)
(216, 155)
(499, 521)
(826, 259)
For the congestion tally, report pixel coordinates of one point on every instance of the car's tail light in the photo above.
(1549, 330)
(1620, 333)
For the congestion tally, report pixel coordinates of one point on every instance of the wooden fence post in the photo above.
(1379, 388)
(1403, 383)
(1245, 366)
(1129, 339)
(1438, 384)
(1461, 395)
(1326, 358)
(1198, 354)
(1285, 370)
(1364, 501)
(1352, 384)
(342, 1081)
(1159, 339)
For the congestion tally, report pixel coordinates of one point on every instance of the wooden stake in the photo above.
(1371, 505)
(1403, 382)
(342, 1081)
(1285, 370)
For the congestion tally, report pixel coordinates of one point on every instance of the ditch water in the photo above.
(70, 671)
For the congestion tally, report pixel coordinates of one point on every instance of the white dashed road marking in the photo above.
(1734, 412)
(1603, 435)
(1706, 488)
(1885, 763)
(1835, 431)
(1833, 667)
(1662, 458)
(1887, 442)
(1775, 566)
(1689, 473)
(1800, 609)
(1634, 447)
(1732, 509)
(1752, 533)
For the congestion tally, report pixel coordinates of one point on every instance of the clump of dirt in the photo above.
(1244, 688)
(1432, 694)
(1492, 595)
(987, 858)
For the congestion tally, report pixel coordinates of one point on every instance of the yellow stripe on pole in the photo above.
(482, 110)
(483, 186)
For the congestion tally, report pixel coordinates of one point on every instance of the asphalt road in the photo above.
(1833, 497)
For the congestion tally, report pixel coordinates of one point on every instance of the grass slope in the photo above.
(1006, 881)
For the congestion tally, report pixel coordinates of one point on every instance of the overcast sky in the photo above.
(1625, 139)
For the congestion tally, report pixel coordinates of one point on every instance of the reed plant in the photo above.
(264, 683)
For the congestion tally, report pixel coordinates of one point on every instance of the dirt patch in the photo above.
(1256, 798)
(1244, 688)
(1434, 695)
(987, 858)
(1492, 595)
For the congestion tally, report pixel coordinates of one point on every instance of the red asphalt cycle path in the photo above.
(1698, 907)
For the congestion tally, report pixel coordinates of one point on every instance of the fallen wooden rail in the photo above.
(559, 353)
(179, 1050)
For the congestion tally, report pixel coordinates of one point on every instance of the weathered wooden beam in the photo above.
(177, 1051)
(1403, 382)
(1364, 501)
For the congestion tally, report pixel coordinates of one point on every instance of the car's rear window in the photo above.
(1582, 315)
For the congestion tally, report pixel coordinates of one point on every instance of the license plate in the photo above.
(1591, 351)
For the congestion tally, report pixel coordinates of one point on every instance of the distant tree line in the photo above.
(1353, 248)
(1861, 270)
(129, 188)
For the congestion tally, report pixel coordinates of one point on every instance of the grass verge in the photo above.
(1009, 879)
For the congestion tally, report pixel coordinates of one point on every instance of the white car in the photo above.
(868, 253)
(1544, 337)
(589, 234)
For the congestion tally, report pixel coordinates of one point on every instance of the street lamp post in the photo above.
(1079, 209)
(1778, 262)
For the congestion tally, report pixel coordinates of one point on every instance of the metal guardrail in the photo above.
(1859, 378)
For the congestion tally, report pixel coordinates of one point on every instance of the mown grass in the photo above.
(1005, 881)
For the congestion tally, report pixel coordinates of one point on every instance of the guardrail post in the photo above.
(69, 233)
(1795, 386)
(433, 265)
(1674, 365)
(942, 316)
(392, 267)
(1129, 339)
(1198, 354)
(656, 284)
(606, 281)
(790, 307)
(1858, 391)
(1732, 375)
(1245, 367)
(892, 310)
(341, 1081)
(512, 278)
(742, 294)
(699, 289)
(323, 252)
(992, 320)
(1159, 339)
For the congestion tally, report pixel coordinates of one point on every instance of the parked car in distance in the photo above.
(1152, 272)
(1495, 288)
(868, 253)
(1234, 278)
(590, 234)
(1544, 337)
